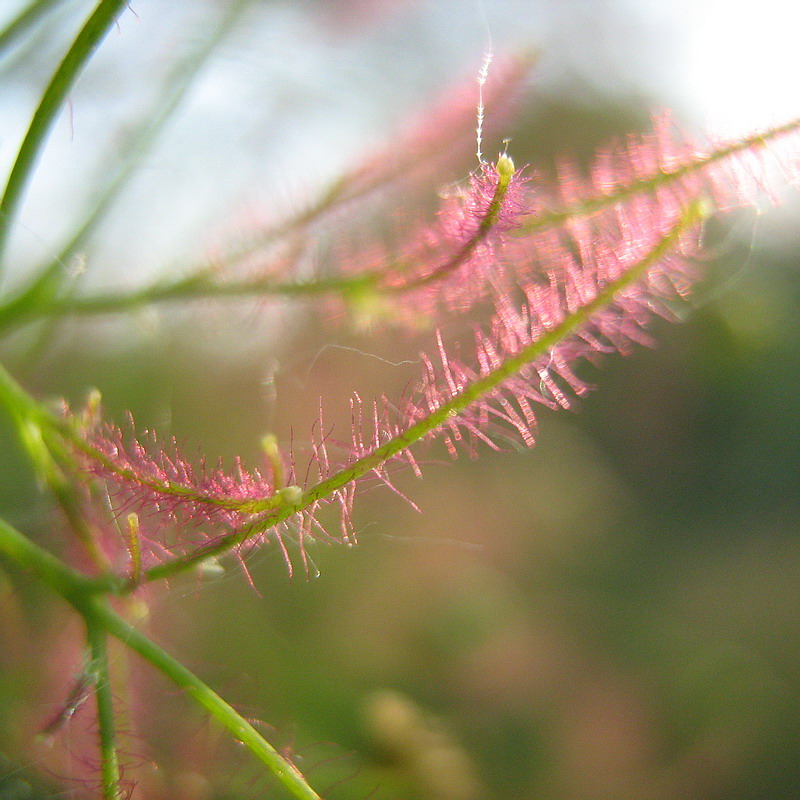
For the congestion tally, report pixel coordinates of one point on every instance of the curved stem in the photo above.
(201, 282)
(202, 286)
(49, 460)
(81, 593)
(74, 587)
(40, 296)
(202, 694)
(50, 105)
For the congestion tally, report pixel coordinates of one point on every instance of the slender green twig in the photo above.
(81, 593)
(203, 283)
(235, 723)
(36, 303)
(74, 587)
(42, 293)
(41, 435)
(109, 761)
(177, 85)
(49, 107)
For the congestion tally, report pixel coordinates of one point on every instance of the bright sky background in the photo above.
(740, 63)
(302, 89)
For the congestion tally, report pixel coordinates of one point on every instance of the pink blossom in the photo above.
(571, 272)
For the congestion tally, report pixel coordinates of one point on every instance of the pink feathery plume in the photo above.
(540, 272)
(571, 273)
(180, 507)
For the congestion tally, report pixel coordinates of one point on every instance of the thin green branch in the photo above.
(177, 85)
(229, 718)
(49, 459)
(203, 284)
(17, 401)
(80, 592)
(49, 107)
(74, 587)
(41, 296)
(109, 761)
(472, 393)
(198, 286)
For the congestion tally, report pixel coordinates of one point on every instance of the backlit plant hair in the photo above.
(547, 274)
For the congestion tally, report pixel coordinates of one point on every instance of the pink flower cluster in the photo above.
(570, 271)
(181, 507)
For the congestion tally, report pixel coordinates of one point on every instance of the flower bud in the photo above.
(505, 168)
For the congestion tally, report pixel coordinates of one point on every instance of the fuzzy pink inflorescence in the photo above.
(537, 275)
(169, 493)
(450, 265)
(537, 254)
(183, 508)
(637, 187)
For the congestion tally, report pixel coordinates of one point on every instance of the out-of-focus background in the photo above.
(612, 614)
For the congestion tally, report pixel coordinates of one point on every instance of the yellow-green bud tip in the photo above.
(94, 398)
(505, 167)
(269, 443)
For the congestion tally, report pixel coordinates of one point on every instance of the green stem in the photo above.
(40, 301)
(74, 587)
(177, 85)
(40, 296)
(52, 100)
(201, 284)
(96, 637)
(80, 592)
(236, 724)
(49, 459)
(16, 400)
(480, 388)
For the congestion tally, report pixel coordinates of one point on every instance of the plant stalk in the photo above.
(80, 592)
(87, 41)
